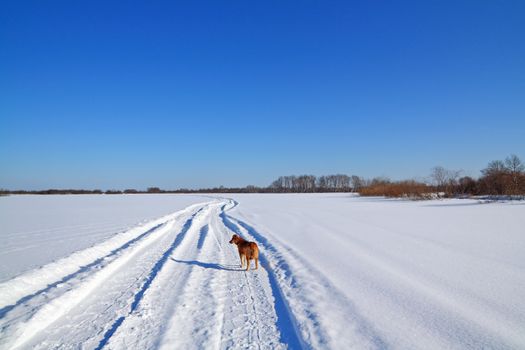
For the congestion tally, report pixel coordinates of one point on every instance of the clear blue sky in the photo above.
(103, 94)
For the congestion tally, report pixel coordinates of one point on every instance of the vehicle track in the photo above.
(175, 285)
(90, 296)
(203, 299)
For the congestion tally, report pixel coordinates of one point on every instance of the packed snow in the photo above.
(36, 230)
(337, 272)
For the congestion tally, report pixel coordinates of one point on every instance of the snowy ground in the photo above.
(337, 272)
(35, 230)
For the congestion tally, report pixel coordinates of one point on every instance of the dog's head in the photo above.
(234, 239)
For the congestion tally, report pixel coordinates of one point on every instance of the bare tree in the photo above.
(515, 168)
(514, 164)
(321, 183)
(467, 185)
(305, 183)
(495, 179)
(343, 182)
(439, 177)
(445, 180)
(357, 183)
(494, 167)
(278, 185)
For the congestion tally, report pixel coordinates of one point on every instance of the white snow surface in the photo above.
(336, 272)
(36, 230)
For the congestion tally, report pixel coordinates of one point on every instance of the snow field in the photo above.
(431, 274)
(336, 272)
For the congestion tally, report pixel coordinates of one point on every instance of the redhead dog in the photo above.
(247, 250)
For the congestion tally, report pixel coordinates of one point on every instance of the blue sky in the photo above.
(207, 93)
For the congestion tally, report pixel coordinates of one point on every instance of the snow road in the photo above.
(174, 283)
(336, 272)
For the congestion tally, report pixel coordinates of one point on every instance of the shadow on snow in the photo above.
(202, 235)
(209, 265)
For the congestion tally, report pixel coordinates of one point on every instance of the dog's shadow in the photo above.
(209, 265)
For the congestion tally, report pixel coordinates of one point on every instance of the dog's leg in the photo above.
(247, 264)
(256, 263)
(242, 261)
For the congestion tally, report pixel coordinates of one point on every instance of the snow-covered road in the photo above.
(174, 283)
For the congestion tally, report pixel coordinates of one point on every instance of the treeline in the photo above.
(73, 191)
(51, 191)
(150, 190)
(311, 183)
(499, 178)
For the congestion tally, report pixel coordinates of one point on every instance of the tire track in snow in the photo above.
(32, 283)
(189, 296)
(195, 320)
(286, 322)
(86, 269)
(293, 296)
(200, 300)
(221, 306)
(202, 237)
(151, 277)
(245, 313)
(80, 289)
(145, 326)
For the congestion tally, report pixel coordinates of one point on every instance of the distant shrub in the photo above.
(400, 189)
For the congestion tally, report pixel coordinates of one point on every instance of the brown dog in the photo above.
(247, 250)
